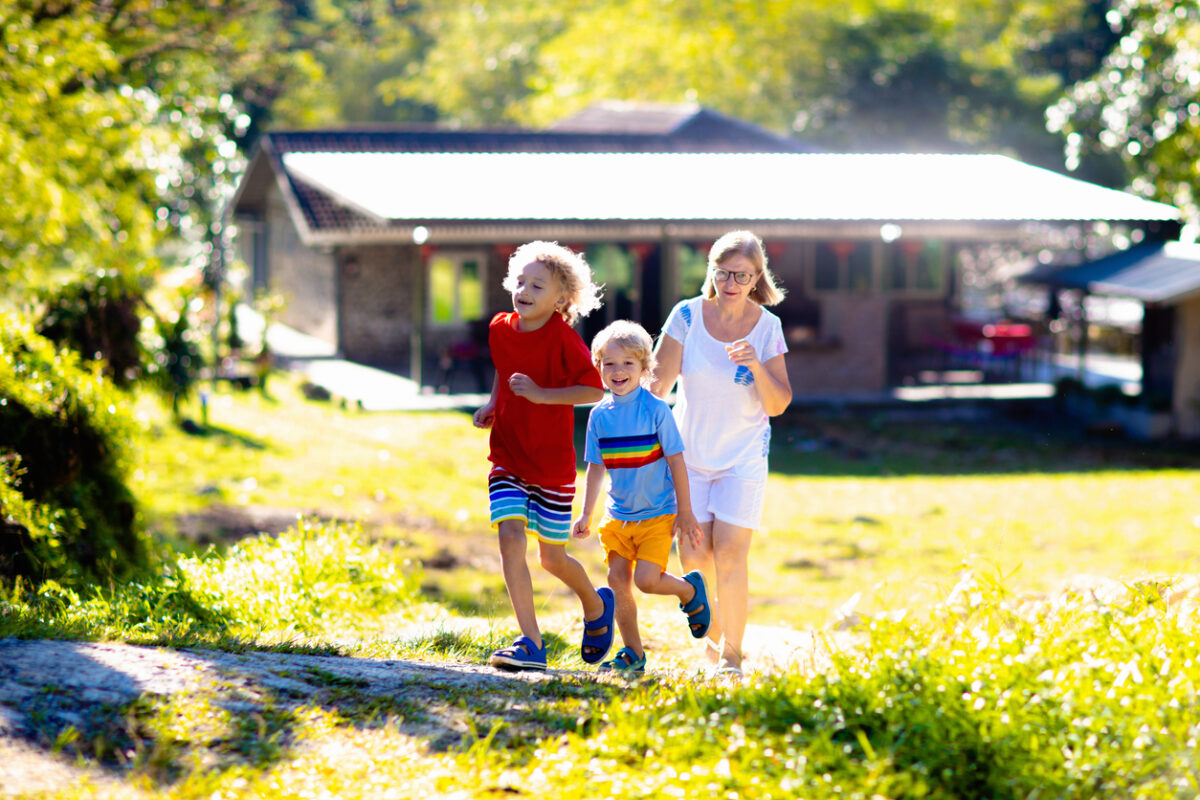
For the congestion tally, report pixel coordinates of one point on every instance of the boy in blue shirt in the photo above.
(631, 435)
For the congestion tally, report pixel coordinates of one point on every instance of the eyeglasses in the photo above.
(740, 278)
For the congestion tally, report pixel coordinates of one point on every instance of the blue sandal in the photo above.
(697, 609)
(521, 654)
(627, 662)
(599, 643)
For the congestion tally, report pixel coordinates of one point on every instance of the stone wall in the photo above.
(379, 302)
(304, 276)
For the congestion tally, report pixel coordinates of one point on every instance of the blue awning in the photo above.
(1156, 272)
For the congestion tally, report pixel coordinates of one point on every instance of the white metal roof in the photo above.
(709, 186)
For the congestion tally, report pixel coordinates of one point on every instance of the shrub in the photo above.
(67, 512)
(99, 317)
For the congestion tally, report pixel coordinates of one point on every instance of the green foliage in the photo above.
(989, 697)
(1142, 105)
(63, 438)
(270, 591)
(99, 317)
(301, 582)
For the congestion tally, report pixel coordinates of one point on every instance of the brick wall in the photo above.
(851, 356)
(378, 303)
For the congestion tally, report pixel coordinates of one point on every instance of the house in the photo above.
(390, 243)
(1165, 278)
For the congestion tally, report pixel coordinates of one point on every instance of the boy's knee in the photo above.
(647, 581)
(552, 558)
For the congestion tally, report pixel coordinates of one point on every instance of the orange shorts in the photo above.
(638, 540)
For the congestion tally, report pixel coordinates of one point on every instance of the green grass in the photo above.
(969, 674)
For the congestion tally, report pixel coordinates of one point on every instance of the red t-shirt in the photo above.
(535, 442)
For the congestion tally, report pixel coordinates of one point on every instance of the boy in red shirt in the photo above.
(543, 369)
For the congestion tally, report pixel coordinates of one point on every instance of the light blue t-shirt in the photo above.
(632, 435)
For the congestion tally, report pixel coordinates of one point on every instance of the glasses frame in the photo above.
(722, 275)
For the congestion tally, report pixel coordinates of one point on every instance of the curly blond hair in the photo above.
(568, 267)
(634, 339)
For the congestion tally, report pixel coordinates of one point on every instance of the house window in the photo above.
(915, 265)
(455, 288)
(844, 266)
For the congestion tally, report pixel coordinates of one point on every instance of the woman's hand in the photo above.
(743, 354)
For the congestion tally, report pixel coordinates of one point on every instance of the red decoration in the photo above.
(912, 248)
(427, 251)
(641, 249)
(843, 249)
(505, 251)
(776, 249)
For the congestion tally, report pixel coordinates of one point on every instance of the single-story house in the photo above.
(390, 243)
(1165, 277)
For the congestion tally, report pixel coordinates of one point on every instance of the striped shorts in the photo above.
(545, 510)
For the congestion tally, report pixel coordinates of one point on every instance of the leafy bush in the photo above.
(67, 511)
(99, 316)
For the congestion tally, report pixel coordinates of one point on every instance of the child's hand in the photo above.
(485, 416)
(686, 524)
(582, 527)
(523, 386)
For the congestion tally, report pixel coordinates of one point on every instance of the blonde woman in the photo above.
(727, 352)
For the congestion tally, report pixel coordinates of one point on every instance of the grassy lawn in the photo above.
(968, 674)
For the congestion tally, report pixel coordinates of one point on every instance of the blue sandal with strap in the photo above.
(599, 643)
(697, 609)
(627, 662)
(521, 654)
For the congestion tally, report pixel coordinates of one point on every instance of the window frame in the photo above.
(458, 258)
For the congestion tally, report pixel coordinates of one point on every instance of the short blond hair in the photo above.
(631, 336)
(569, 268)
(743, 243)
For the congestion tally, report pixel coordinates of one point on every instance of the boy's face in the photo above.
(538, 293)
(620, 369)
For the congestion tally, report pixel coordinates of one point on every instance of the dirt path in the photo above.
(59, 698)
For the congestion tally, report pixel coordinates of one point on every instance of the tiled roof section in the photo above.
(1155, 272)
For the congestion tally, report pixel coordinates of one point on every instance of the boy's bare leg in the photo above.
(650, 579)
(701, 557)
(620, 580)
(517, 579)
(554, 559)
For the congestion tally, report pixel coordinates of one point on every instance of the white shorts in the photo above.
(734, 496)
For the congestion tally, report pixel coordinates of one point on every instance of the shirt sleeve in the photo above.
(678, 321)
(591, 445)
(774, 343)
(580, 370)
(668, 432)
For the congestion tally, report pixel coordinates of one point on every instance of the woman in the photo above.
(727, 351)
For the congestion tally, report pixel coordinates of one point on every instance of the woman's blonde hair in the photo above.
(743, 243)
(568, 267)
(634, 339)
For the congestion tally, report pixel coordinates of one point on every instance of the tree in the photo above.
(1143, 103)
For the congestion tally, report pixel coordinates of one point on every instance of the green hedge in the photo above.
(66, 511)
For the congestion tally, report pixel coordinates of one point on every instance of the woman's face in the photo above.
(726, 275)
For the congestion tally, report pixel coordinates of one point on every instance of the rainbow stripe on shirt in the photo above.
(630, 452)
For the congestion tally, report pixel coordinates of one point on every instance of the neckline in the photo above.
(621, 399)
(704, 327)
